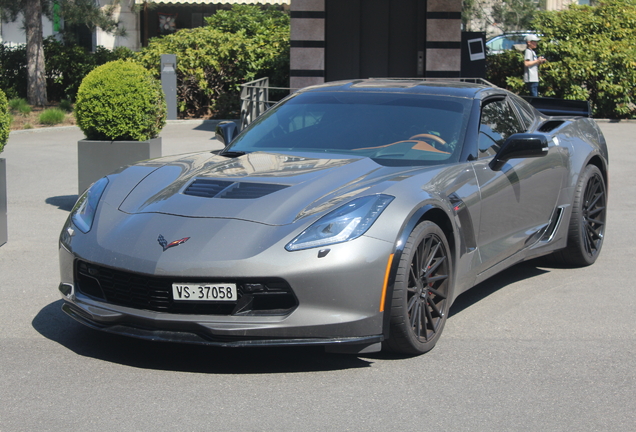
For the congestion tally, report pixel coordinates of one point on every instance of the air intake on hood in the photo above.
(209, 188)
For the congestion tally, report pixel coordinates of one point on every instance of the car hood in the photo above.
(268, 188)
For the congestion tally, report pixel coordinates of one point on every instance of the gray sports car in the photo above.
(349, 215)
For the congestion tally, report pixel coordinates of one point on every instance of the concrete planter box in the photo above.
(4, 231)
(95, 159)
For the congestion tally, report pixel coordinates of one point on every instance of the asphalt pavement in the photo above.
(534, 348)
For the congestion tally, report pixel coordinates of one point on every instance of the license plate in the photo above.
(204, 292)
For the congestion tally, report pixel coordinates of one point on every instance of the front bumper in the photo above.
(338, 297)
(335, 344)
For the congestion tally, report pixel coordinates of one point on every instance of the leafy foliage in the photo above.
(66, 105)
(19, 106)
(591, 54)
(120, 100)
(13, 73)
(507, 15)
(236, 46)
(5, 120)
(74, 13)
(66, 66)
(52, 116)
(514, 14)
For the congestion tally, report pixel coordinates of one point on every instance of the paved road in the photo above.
(532, 349)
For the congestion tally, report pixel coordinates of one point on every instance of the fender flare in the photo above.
(405, 232)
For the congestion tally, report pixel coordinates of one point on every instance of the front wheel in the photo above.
(421, 293)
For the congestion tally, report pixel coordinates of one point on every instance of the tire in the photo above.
(421, 294)
(587, 222)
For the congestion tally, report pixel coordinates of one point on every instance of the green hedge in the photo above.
(5, 120)
(235, 47)
(120, 101)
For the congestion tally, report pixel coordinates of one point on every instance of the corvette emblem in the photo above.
(165, 245)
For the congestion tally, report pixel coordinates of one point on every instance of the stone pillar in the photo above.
(443, 38)
(307, 51)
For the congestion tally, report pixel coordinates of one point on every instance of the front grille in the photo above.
(267, 296)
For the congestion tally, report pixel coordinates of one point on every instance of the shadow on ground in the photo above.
(509, 276)
(63, 202)
(480, 292)
(53, 324)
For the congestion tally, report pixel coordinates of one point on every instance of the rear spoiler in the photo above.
(560, 107)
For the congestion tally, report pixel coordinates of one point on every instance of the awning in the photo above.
(262, 2)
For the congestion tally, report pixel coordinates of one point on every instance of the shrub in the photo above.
(13, 73)
(121, 101)
(5, 120)
(20, 106)
(52, 116)
(66, 105)
(235, 47)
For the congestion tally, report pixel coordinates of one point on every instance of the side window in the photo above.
(524, 109)
(498, 122)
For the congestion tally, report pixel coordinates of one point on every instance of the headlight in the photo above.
(83, 213)
(343, 224)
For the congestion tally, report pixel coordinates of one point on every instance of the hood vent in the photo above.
(208, 188)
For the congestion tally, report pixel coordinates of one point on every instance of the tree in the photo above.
(74, 12)
(515, 14)
(507, 15)
(36, 87)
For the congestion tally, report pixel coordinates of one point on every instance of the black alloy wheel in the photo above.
(587, 223)
(421, 293)
(593, 211)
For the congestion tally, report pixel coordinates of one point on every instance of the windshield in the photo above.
(404, 128)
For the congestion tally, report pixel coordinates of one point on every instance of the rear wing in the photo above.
(560, 107)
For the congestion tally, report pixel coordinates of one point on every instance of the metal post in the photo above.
(169, 83)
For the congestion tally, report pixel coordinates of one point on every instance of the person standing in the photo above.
(531, 65)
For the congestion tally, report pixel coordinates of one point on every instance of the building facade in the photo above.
(336, 39)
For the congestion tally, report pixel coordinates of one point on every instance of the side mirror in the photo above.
(521, 145)
(226, 131)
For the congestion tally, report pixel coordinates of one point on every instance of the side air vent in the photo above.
(551, 125)
(209, 188)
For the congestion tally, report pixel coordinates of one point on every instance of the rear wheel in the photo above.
(587, 223)
(421, 292)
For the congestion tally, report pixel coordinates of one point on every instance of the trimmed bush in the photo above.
(52, 116)
(120, 101)
(5, 120)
